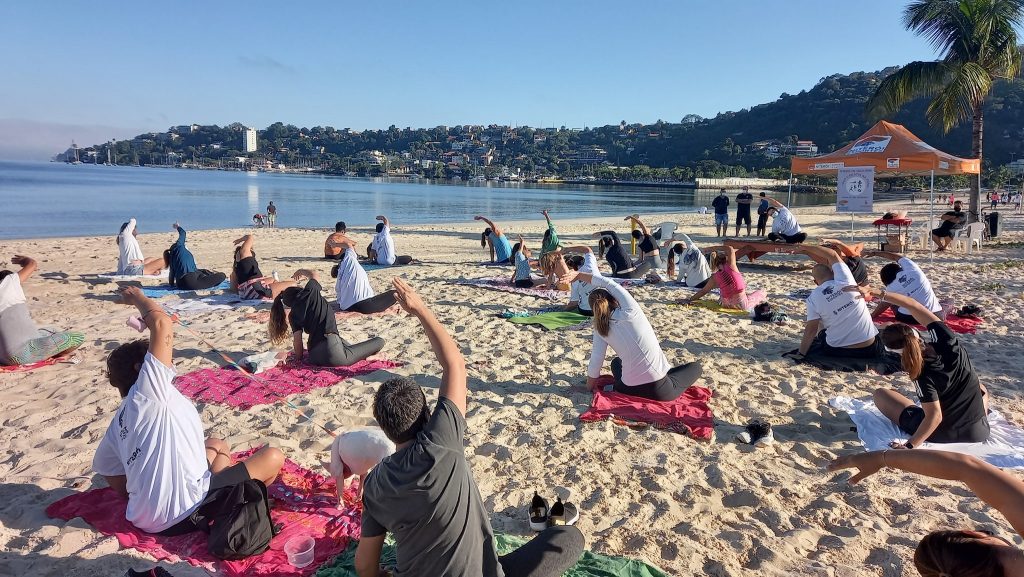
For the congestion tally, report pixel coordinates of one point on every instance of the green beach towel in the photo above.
(589, 565)
(552, 320)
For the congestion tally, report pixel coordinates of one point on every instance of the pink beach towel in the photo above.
(30, 367)
(231, 387)
(688, 415)
(304, 503)
(500, 283)
(962, 325)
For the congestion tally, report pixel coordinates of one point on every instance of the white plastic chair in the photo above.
(668, 230)
(972, 233)
(924, 235)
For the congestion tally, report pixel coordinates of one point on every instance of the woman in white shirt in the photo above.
(21, 342)
(382, 249)
(130, 261)
(694, 271)
(353, 289)
(640, 369)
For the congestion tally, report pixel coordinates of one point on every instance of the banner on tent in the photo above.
(856, 189)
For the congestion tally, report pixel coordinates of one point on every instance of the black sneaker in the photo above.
(758, 432)
(154, 572)
(563, 513)
(538, 513)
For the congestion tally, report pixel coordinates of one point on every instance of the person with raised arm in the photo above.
(522, 276)
(853, 255)
(353, 290)
(728, 280)
(246, 277)
(785, 228)
(183, 272)
(612, 249)
(955, 552)
(154, 451)
(21, 341)
(425, 495)
(580, 258)
(648, 247)
(337, 241)
(550, 242)
(382, 249)
(495, 240)
(130, 261)
(903, 276)
(694, 270)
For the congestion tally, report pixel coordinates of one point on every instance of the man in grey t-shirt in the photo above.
(424, 494)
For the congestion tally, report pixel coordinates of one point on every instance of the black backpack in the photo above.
(238, 520)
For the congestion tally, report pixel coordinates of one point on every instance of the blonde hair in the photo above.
(602, 303)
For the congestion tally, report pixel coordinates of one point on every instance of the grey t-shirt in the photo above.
(425, 495)
(16, 329)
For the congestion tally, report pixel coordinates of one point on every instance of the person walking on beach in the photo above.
(721, 205)
(743, 202)
(271, 215)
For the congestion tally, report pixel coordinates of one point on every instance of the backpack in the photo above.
(237, 520)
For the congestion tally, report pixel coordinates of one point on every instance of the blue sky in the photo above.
(112, 69)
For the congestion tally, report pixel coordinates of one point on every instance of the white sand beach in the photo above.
(691, 507)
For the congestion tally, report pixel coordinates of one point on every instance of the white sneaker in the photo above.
(766, 440)
(276, 277)
(743, 437)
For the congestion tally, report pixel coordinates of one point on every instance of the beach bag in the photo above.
(969, 311)
(238, 520)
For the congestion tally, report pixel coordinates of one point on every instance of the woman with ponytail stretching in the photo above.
(953, 405)
(640, 369)
(311, 313)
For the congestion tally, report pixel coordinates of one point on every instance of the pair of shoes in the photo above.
(154, 572)
(758, 433)
(541, 517)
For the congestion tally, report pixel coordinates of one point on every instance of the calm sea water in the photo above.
(57, 199)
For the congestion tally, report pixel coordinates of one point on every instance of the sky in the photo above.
(92, 71)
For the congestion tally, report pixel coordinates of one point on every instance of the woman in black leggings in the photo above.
(611, 248)
(353, 289)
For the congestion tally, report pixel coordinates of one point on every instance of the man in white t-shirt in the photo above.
(785, 228)
(903, 276)
(382, 249)
(154, 451)
(581, 258)
(838, 321)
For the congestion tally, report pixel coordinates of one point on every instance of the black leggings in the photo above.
(638, 271)
(550, 554)
(904, 318)
(200, 279)
(524, 283)
(334, 351)
(789, 238)
(762, 223)
(374, 304)
(667, 388)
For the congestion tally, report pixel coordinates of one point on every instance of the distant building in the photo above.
(588, 155)
(806, 148)
(250, 140)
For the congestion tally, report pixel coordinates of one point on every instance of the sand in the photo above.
(691, 507)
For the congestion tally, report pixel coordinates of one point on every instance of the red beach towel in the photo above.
(231, 387)
(962, 325)
(30, 367)
(305, 503)
(688, 415)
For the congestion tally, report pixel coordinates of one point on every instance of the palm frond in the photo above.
(912, 81)
(946, 24)
(967, 86)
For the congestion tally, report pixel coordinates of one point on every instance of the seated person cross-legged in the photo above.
(785, 227)
(338, 240)
(425, 495)
(580, 258)
(153, 451)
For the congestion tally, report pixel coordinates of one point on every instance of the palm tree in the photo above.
(978, 42)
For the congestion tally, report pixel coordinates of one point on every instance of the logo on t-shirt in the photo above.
(827, 291)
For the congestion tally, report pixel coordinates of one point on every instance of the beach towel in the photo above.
(305, 503)
(233, 388)
(165, 290)
(715, 306)
(589, 565)
(191, 307)
(688, 415)
(500, 283)
(162, 275)
(264, 316)
(955, 323)
(553, 320)
(1004, 448)
(33, 366)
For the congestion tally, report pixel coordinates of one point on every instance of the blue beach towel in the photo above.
(167, 290)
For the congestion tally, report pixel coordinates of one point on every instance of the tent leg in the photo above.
(931, 217)
(789, 199)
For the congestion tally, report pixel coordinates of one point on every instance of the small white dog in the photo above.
(354, 453)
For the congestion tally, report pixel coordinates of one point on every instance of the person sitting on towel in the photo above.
(311, 313)
(183, 272)
(979, 552)
(640, 369)
(382, 249)
(903, 276)
(353, 290)
(694, 270)
(522, 276)
(728, 280)
(496, 241)
(953, 400)
(645, 243)
(335, 244)
(154, 452)
(425, 495)
(21, 341)
(246, 278)
(130, 261)
(785, 228)
(581, 258)
(612, 249)
(354, 453)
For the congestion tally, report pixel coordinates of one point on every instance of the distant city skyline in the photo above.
(92, 72)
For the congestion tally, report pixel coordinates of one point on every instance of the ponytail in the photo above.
(671, 270)
(334, 270)
(278, 326)
(602, 303)
(901, 336)
(483, 237)
(605, 242)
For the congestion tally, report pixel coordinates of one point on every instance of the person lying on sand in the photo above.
(904, 277)
(246, 277)
(382, 248)
(425, 494)
(495, 240)
(353, 289)
(694, 270)
(955, 552)
(640, 369)
(728, 280)
(130, 261)
(183, 272)
(154, 452)
(21, 341)
(305, 310)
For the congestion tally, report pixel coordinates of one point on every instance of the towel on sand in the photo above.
(500, 283)
(688, 415)
(32, 366)
(305, 503)
(1004, 447)
(589, 565)
(553, 320)
(162, 275)
(233, 388)
(165, 290)
(956, 324)
(717, 307)
(264, 316)
(192, 306)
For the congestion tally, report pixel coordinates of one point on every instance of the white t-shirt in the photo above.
(352, 285)
(360, 449)
(912, 282)
(632, 338)
(385, 246)
(11, 292)
(785, 223)
(128, 248)
(580, 291)
(693, 267)
(156, 440)
(844, 315)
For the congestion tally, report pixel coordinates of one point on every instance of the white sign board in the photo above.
(856, 190)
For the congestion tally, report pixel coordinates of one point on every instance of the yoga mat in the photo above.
(165, 290)
(962, 325)
(553, 320)
(688, 415)
(113, 275)
(502, 284)
(715, 306)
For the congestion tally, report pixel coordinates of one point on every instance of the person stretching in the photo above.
(494, 238)
(615, 253)
(130, 261)
(550, 242)
(952, 221)
(977, 553)
(729, 282)
(335, 244)
(693, 267)
(648, 248)
(581, 258)
(640, 369)
(852, 255)
(953, 406)
(522, 276)
(353, 289)
(785, 228)
(183, 272)
(903, 276)
(425, 495)
(246, 278)
(311, 313)
(382, 249)
(154, 452)
(21, 341)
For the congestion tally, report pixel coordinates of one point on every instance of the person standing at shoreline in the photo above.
(762, 215)
(271, 215)
(743, 202)
(721, 205)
